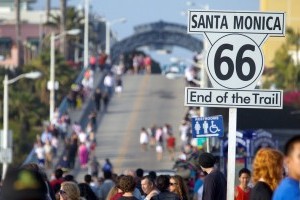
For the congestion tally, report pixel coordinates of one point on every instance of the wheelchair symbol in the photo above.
(213, 128)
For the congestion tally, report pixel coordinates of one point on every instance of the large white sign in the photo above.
(234, 59)
(271, 99)
(235, 62)
(236, 22)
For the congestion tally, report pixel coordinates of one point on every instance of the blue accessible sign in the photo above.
(207, 126)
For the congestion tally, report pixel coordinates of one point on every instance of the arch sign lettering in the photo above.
(234, 59)
(234, 64)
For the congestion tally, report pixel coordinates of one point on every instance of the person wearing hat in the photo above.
(215, 185)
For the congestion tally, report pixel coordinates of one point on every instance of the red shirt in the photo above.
(55, 183)
(241, 194)
(116, 196)
(92, 60)
(171, 142)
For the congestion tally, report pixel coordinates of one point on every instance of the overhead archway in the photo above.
(158, 35)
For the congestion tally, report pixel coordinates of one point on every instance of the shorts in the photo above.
(159, 149)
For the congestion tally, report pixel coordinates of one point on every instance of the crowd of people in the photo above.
(158, 138)
(79, 142)
(275, 176)
(133, 63)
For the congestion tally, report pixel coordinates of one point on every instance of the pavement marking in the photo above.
(132, 122)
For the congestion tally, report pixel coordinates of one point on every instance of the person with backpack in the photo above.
(107, 167)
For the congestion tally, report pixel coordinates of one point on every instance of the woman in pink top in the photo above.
(83, 155)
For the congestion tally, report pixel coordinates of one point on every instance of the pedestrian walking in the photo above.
(69, 190)
(215, 185)
(86, 191)
(109, 83)
(119, 85)
(267, 173)
(148, 187)
(57, 181)
(93, 62)
(242, 191)
(102, 61)
(152, 132)
(147, 63)
(98, 99)
(64, 164)
(106, 99)
(163, 183)
(115, 192)
(107, 167)
(144, 139)
(93, 118)
(184, 130)
(48, 154)
(198, 185)
(106, 186)
(178, 186)
(159, 151)
(171, 142)
(83, 155)
(40, 153)
(89, 183)
(94, 167)
(127, 185)
(289, 188)
(71, 151)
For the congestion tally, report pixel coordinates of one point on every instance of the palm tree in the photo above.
(74, 20)
(48, 8)
(293, 39)
(63, 9)
(18, 32)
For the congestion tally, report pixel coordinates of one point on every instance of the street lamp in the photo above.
(6, 82)
(108, 24)
(86, 34)
(51, 85)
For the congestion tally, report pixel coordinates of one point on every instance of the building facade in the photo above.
(291, 8)
(32, 32)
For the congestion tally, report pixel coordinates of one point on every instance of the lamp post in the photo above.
(86, 34)
(51, 85)
(108, 24)
(6, 82)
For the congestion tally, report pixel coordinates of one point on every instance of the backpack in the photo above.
(106, 167)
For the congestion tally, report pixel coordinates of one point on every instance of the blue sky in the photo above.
(143, 11)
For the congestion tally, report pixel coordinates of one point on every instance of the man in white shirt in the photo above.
(144, 139)
(148, 187)
(109, 83)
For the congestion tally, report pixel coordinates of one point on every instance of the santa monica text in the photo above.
(236, 22)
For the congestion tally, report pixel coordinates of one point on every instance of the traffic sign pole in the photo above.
(204, 84)
(231, 152)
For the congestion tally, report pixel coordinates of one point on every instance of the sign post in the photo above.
(234, 63)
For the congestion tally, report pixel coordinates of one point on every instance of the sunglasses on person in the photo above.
(61, 192)
(173, 184)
